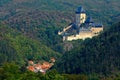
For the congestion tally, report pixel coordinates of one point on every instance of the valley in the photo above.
(29, 31)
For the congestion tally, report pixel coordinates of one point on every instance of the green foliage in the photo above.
(43, 19)
(11, 71)
(97, 55)
(16, 47)
(54, 75)
(75, 77)
(40, 21)
(3, 2)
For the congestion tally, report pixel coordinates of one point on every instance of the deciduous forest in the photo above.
(29, 31)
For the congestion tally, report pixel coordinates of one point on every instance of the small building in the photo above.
(30, 62)
(31, 68)
(52, 59)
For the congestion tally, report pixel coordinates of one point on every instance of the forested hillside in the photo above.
(97, 55)
(16, 47)
(28, 31)
(41, 19)
(92, 59)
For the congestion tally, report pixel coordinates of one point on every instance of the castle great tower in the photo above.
(80, 16)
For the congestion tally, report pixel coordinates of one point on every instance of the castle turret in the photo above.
(80, 16)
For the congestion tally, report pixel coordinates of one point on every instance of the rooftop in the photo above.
(97, 25)
(89, 20)
(80, 10)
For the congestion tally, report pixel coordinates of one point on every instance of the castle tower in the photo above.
(80, 16)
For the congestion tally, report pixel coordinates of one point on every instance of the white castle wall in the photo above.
(85, 34)
(96, 30)
(81, 35)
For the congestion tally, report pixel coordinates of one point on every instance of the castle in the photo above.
(83, 27)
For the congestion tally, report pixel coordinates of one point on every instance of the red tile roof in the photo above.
(31, 68)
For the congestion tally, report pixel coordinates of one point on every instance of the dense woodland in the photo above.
(28, 31)
(11, 71)
(16, 47)
(93, 59)
(100, 54)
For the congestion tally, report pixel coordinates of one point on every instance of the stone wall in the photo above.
(85, 34)
(96, 30)
(81, 35)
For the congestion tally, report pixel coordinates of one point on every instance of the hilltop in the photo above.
(42, 19)
(92, 59)
(97, 55)
(28, 31)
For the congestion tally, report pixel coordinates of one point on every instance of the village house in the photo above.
(40, 67)
(52, 59)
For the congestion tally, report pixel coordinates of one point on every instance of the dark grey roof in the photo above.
(74, 26)
(89, 20)
(97, 25)
(80, 10)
